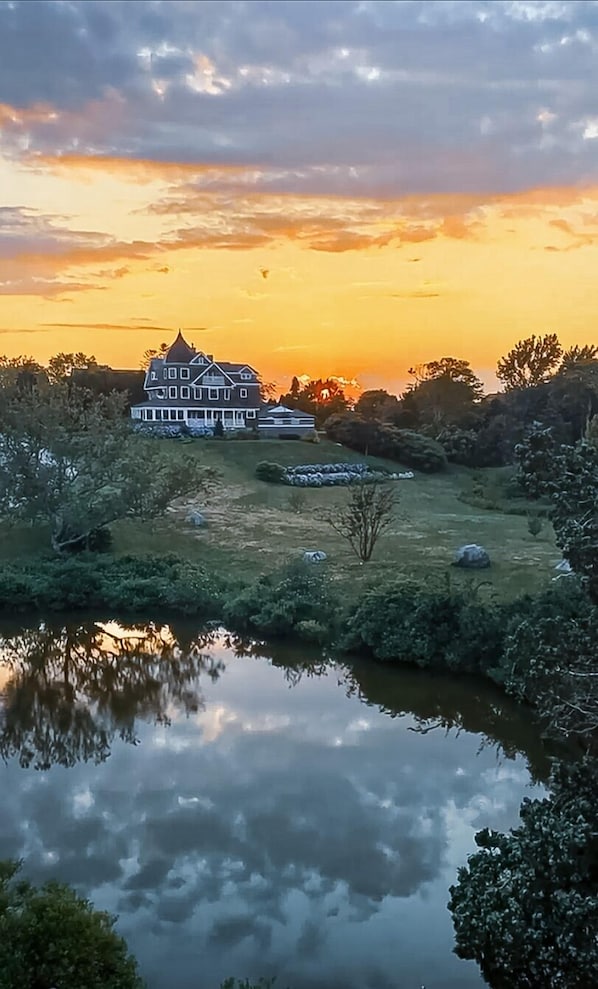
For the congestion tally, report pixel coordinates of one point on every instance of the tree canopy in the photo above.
(530, 362)
(50, 937)
(74, 461)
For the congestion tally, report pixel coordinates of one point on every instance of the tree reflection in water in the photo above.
(73, 688)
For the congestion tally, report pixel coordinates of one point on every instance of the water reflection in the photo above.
(267, 821)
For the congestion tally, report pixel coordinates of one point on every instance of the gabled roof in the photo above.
(211, 367)
(236, 368)
(179, 352)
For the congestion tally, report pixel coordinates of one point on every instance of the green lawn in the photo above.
(252, 528)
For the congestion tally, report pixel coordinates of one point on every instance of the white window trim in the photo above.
(250, 414)
(243, 393)
(227, 394)
(172, 391)
(161, 392)
(184, 372)
(184, 391)
(153, 375)
(172, 372)
(213, 394)
(246, 377)
(197, 393)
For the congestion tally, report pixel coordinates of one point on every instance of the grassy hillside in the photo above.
(253, 527)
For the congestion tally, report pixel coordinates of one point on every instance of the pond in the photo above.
(249, 810)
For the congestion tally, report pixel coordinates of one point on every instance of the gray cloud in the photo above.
(348, 96)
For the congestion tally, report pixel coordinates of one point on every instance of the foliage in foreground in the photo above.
(526, 905)
(51, 937)
(126, 584)
(72, 459)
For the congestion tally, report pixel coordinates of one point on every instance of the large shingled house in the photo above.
(186, 386)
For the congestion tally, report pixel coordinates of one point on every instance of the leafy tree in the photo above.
(321, 398)
(451, 369)
(578, 355)
(530, 362)
(21, 372)
(525, 907)
(441, 402)
(62, 365)
(376, 404)
(150, 353)
(368, 513)
(568, 475)
(74, 461)
(550, 661)
(51, 937)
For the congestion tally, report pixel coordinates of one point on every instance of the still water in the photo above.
(248, 811)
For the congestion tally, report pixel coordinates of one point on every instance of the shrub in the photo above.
(51, 937)
(274, 473)
(439, 628)
(384, 440)
(296, 599)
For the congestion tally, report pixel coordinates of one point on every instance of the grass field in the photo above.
(252, 528)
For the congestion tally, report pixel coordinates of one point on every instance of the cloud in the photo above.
(110, 326)
(368, 98)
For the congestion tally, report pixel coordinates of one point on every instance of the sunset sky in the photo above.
(345, 187)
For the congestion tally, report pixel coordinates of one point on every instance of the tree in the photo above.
(21, 372)
(441, 402)
(74, 461)
(530, 362)
(376, 404)
(366, 515)
(321, 398)
(61, 366)
(49, 936)
(578, 355)
(149, 354)
(450, 368)
(525, 907)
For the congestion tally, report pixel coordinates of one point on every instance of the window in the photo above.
(227, 394)
(172, 372)
(158, 414)
(212, 394)
(161, 392)
(243, 393)
(246, 376)
(184, 372)
(149, 413)
(195, 414)
(180, 414)
(172, 391)
(197, 393)
(153, 375)
(250, 413)
(184, 391)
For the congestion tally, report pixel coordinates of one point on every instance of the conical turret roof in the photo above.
(179, 352)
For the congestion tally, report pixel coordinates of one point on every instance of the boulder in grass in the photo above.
(196, 518)
(472, 557)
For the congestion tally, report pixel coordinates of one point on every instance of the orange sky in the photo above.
(132, 207)
(462, 276)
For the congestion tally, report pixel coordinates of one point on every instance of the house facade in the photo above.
(188, 387)
(278, 421)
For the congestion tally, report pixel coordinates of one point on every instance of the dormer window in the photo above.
(246, 376)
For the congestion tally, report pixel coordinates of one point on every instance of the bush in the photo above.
(127, 584)
(383, 440)
(51, 937)
(274, 473)
(438, 628)
(296, 599)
